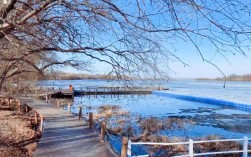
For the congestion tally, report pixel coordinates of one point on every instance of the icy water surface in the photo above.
(234, 91)
(209, 118)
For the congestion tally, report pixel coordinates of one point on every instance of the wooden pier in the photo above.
(100, 91)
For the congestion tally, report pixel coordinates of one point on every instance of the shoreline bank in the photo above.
(19, 135)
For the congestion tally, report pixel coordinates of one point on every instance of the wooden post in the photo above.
(46, 98)
(124, 146)
(90, 119)
(19, 106)
(35, 118)
(69, 108)
(41, 123)
(80, 113)
(103, 130)
(58, 103)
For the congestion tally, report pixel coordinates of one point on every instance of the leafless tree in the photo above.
(133, 37)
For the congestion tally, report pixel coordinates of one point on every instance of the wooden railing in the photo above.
(23, 107)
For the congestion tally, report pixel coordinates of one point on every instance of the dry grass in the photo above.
(7, 150)
(150, 128)
(177, 123)
(117, 119)
(17, 136)
(217, 146)
(108, 111)
(153, 125)
(122, 122)
(160, 151)
(157, 150)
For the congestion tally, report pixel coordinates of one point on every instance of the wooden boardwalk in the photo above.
(99, 91)
(66, 136)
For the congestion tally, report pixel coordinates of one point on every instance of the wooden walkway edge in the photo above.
(66, 136)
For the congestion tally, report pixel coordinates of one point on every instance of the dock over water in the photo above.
(102, 91)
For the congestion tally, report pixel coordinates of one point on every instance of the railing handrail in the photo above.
(245, 149)
(183, 143)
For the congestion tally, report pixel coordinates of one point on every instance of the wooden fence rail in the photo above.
(23, 105)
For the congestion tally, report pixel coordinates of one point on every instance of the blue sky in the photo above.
(230, 64)
(235, 64)
(238, 65)
(196, 69)
(175, 44)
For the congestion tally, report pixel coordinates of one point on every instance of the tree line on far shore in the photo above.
(232, 77)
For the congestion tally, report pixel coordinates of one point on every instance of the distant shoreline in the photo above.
(75, 76)
(195, 79)
(81, 76)
(233, 77)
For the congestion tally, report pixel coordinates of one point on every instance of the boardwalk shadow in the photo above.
(77, 141)
(26, 142)
(63, 140)
(69, 134)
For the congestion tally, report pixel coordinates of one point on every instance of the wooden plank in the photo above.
(64, 135)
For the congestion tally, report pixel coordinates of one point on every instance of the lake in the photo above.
(235, 91)
(208, 118)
